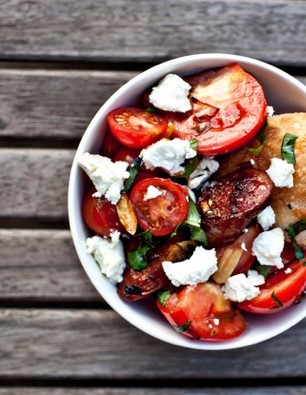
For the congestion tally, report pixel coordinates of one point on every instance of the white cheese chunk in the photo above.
(169, 155)
(206, 167)
(255, 278)
(238, 288)
(266, 218)
(152, 193)
(171, 94)
(108, 177)
(281, 173)
(197, 269)
(268, 246)
(109, 254)
(270, 111)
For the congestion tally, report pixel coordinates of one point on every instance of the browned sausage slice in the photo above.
(229, 204)
(137, 284)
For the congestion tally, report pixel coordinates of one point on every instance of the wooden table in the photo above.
(59, 61)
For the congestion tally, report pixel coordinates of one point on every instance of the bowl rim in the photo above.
(118, 305)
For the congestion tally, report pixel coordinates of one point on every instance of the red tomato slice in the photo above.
(100, 215)
(136, 128)
(110, 145)
(126, 154)
(163, 213)
(201, 311)
(281, 290)
(229, 108)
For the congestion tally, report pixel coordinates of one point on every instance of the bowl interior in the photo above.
(283, 92)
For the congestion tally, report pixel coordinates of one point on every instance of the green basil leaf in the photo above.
(261, 137)
(190, 166)
(294, 230)
(163, 296)
(183, 328)
(193, 144)
(287, 148)
(193, 222)
(133, 170)
(276, 300)
(264, 270)
(137, 259)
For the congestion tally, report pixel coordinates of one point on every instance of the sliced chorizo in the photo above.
(229, 204)
(139, 284)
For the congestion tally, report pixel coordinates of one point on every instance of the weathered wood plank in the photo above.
(42, 265)
(54, 104)
(127, 30)
(288, 390)
(89, 344)
(33, 182)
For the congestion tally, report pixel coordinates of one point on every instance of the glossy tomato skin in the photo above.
(163, 213)
(110, 145)
(135, 127)
(229, 109)
(201, 312)
(126, 154)
(100, 215)
(281, 289)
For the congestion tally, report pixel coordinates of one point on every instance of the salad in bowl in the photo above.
(186, 201)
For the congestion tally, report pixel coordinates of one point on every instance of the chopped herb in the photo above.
(193, 144)
(193, 222)
(150, 109)
(261, 137)
(287, 148)
(276, 300)
(163, 296)
(133, 170)
(294, 230)
(190, 166)
(183, 328)
(264, 270)
(137, 259)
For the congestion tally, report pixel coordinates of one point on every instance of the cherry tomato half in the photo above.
(135, 127)
(281, 290)
(100, 215)
(164, 212)
(201, 311)
(126, 154)
(229, 108)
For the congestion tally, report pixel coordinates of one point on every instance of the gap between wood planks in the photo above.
(214, 384)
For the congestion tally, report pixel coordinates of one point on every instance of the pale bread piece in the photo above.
(289, 204)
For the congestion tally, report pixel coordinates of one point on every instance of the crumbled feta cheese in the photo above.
(255, 278)
(281, 173)
(216, 321)
(266, 218)
(109, 254)
(168, 154)
(270, 111)
(171, 94)
(268, 246)
(243, 247)
(201, 265)
(238, 288)
(107, 176)
(152, 193)
(252, 162)
(288, 270)
(204, 170)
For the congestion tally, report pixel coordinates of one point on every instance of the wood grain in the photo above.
(138, 31)
(42, 265)
(87, 344)
(34, 182)
(53, 104)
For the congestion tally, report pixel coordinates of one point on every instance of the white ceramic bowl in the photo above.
(283, 92)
